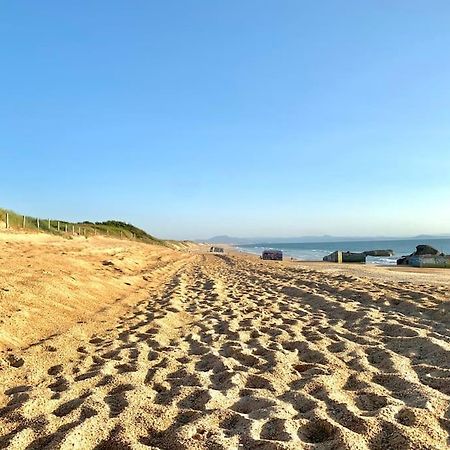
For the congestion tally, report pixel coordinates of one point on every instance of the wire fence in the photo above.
(11, 220)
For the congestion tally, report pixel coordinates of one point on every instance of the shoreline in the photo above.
(371, 263)
(239, 250)
(390, 272)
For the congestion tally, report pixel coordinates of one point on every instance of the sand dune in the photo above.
(228, 352)
(49, 283)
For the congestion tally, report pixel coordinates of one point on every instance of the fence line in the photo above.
(14, 221)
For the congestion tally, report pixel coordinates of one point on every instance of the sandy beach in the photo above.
(109, 344)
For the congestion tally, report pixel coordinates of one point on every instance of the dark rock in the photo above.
(426, 250)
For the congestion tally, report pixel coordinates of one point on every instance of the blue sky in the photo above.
(249, 118)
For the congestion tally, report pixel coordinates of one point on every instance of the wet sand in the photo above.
(228, 352)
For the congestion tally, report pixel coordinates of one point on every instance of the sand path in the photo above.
(229, 352)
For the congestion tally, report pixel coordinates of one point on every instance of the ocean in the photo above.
(316, 251)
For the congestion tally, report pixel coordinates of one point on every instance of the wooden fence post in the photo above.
(58, 226)
(7, 220)
(24, 221)
(79, 231)
(37, 223)
(73, 229)
(66, 228)
(49, 224)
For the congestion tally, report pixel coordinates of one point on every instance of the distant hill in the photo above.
(228, 240)
(225, 239)
(431, 236)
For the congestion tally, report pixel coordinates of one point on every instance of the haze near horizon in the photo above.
(196, 119)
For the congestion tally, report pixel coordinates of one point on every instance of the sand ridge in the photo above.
(229, 352)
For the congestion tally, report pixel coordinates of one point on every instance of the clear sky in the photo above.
(193, 118)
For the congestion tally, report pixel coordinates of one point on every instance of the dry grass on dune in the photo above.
(230, 352)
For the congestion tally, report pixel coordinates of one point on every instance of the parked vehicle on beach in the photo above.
(216, 250)
(274, 255)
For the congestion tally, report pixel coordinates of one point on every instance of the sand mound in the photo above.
(230, 352)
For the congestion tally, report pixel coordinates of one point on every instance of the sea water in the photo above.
(316, 251)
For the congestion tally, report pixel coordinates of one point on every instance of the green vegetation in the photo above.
(112, 228)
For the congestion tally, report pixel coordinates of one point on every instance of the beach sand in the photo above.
(111, 344)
